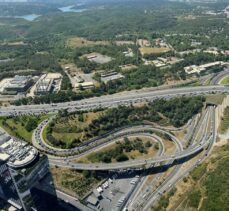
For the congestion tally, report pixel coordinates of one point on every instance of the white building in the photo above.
(197, 69)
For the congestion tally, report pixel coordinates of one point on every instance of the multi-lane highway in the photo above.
(114, 100)
(216, 80)
(208, 136)
(202, 132)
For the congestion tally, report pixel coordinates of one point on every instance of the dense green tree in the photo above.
(31, 125)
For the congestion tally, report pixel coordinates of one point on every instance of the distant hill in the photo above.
(43, 1)
(56, 1)
(13, 0)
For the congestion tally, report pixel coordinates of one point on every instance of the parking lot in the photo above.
(98, 58)
(116, 190)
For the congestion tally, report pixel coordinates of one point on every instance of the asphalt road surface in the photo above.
(114, 100)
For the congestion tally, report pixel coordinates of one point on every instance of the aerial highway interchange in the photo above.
(198, 142)
(114, 105)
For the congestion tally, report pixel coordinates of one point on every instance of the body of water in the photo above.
(30, 17)
(70, 9)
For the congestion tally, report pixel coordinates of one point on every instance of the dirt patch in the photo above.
(78, 42)
(180, 135)
(148, 50)
(124, 43)
(169, 147)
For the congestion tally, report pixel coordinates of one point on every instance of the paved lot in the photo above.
(119, 188)
(98, 58)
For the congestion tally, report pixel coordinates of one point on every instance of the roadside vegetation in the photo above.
(217, 187)
(122, 151)
(206, 188)
(198, 172)
(76, 183)
(21, 126)
(164, 201)
(194, 198)
(73, 129)
(216, 99)
(224, 124)
(225, 81)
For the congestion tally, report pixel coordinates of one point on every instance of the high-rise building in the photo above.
(21, 169)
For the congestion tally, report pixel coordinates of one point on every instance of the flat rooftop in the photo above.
(54, 76)
(4, 83)
(19, 81)
(44, 85)
(17, 153)
(111, 77)
(4, 157)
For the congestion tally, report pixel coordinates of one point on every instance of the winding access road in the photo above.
(141, 163)
(64, 160)
(216, 80)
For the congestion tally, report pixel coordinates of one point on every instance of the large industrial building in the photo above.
(48, 83)
(44, 87)
(18, 84)
(21, 169)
